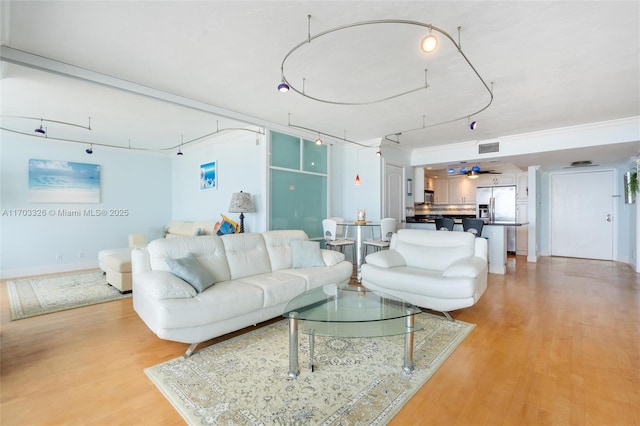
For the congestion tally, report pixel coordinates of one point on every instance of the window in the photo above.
(298, 179)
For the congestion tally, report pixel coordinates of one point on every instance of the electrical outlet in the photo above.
(59, 257)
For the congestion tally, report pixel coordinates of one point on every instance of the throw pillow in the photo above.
(189, 269)
(306, 254)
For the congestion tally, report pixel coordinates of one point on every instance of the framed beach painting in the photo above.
(208, 175)
(63, 182)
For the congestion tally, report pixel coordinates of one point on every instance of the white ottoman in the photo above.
(116, 264)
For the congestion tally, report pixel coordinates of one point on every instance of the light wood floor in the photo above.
(557, 342)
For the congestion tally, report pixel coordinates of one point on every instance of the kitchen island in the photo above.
(494, 232)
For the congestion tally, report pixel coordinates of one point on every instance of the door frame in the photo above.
(614, 205)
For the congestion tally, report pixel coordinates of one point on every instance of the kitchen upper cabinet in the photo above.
(494, 180)
(522, 187)
(441, 191)
(418, 185)
(428, 184)
(522, 232)
(462, 190)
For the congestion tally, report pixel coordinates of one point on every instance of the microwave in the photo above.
(428, 196)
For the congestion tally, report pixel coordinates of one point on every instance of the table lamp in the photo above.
(241, 203)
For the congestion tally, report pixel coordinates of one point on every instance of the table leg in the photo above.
(408, 345)
(312, 341)
(293, 345)
(358, 249)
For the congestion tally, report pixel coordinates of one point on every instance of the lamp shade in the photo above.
(241, 203)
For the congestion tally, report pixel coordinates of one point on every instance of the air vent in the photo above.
(485, 148)
(581, 163)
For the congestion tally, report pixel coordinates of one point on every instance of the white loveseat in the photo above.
(255, 275)
(437, 270)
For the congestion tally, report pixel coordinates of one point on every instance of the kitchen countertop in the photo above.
(459, 221)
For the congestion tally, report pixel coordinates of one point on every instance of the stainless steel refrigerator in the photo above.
(499, 204)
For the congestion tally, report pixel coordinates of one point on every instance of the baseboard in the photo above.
(49, 269)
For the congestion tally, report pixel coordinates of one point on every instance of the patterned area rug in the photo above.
(244, 381)
(36, 296)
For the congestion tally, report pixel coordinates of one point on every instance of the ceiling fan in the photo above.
(473, 172)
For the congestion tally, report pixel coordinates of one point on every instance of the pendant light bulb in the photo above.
(41, 129)
(357, 180)
(283, 87)
(429, 43)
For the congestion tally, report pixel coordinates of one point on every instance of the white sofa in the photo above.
(437, 270)
(255, 275)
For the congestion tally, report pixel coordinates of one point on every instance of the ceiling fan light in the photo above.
(283, 87)
(429, 43)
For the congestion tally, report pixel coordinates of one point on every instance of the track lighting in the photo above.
(473, 125)
(357, 182)
(451, 170)
(429, 44)
(463, 170)
(89, 150)
(283, 87)
(475, 169)
(179, 152)
(41, 130)
(379, 153)
(318, 140)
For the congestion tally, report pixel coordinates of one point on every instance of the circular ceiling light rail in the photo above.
(428, 44)
(286, 85)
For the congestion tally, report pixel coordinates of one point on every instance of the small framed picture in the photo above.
(209, 175)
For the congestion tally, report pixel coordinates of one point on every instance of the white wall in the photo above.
(347, 161)
(139, 183)
(241, 159)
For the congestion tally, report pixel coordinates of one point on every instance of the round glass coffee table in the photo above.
(348, 311)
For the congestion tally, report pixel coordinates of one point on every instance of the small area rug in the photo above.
(42, 295)
(244, 381)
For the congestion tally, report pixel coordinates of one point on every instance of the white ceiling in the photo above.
(549, 64)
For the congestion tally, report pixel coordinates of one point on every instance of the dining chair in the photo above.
(387, 228)
(342, 230)
(333, 242)
(444, 224)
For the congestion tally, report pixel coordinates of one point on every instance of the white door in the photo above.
(582, 214)
(393, 192)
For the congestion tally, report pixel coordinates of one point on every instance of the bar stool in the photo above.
(444, 224)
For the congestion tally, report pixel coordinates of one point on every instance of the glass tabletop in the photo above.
(350, 311)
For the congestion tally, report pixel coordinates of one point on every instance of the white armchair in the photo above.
(442, 271)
